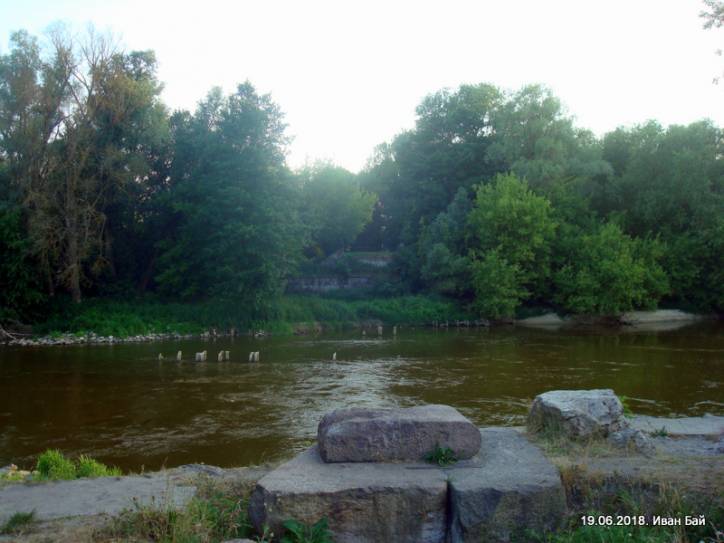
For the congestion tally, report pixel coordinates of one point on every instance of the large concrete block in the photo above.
(363, 502)
(507, 488)
(395, 435)
(577, 413)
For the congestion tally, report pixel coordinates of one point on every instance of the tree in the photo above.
(234, 232)
(75, 126)
(518, 227)
(607, 275)
(443, 249)
(335, 208)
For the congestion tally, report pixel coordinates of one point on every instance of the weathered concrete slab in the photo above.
(84, 497)
(110, 495)
(707, 426)
(395, 435)
(577, 413)
(509, 486)
(363, 502)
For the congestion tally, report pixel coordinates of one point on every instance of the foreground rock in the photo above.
(363, 502)
(508, 487)
(395, 435)
(577, 413)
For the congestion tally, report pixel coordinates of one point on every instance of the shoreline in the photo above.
(656, 320)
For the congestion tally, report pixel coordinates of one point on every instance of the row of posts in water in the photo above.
(203, 356)
(254, 355)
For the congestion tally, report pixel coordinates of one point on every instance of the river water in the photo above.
(122, 405)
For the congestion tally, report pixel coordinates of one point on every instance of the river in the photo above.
(122, 405)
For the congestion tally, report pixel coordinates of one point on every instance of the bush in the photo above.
(52, 465)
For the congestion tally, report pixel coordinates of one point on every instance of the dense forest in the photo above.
(495, 200)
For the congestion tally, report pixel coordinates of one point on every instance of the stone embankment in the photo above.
(367, 476)
(374, 485)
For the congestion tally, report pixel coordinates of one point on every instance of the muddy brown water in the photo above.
(122, 405)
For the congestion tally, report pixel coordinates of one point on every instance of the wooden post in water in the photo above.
(220, 356)
(334, 356)
(227, 355)
(178, 356)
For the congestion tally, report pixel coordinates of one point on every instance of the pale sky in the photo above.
(349, 74)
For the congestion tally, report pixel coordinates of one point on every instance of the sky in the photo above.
(349, 74)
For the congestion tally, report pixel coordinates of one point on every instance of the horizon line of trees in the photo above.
(495, 199)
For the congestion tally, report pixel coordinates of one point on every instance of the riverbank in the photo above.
(106, 321)
(101, 321)
(681, 475)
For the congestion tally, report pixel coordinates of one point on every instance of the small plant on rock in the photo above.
(442, 456)
(661, 432)
(298, 532)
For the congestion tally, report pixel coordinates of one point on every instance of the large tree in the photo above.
(75, 125)
(233, 229)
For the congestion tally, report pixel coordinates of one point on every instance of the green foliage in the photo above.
(18, 523)
(106, 194)
(297, 532)
(89, 467)
(511, 229)
(53, 465)
(214, 515)
(606, 275)
(21, 293)
(498, 286)
(442, 456)
(147, 315)
(335, 209)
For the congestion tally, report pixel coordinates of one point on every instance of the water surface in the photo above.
(122, 405)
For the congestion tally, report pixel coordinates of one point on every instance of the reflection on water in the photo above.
(124, 406)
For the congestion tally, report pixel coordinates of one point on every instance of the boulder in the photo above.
(577, 413)
(507, 488)
(395, 435)
(362, 501)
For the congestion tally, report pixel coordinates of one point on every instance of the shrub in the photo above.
(53, 465)
(89, 467)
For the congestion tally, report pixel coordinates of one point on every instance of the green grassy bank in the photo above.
(147, 316)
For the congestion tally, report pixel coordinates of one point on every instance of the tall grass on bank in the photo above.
(146, 316)
(52, 465)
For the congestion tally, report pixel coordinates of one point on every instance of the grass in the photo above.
(442, 456)
(52, 465)
(596, 494)
(143, 316)
(661, 432)
(18, 524)
(297, 532)
(216, 513)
